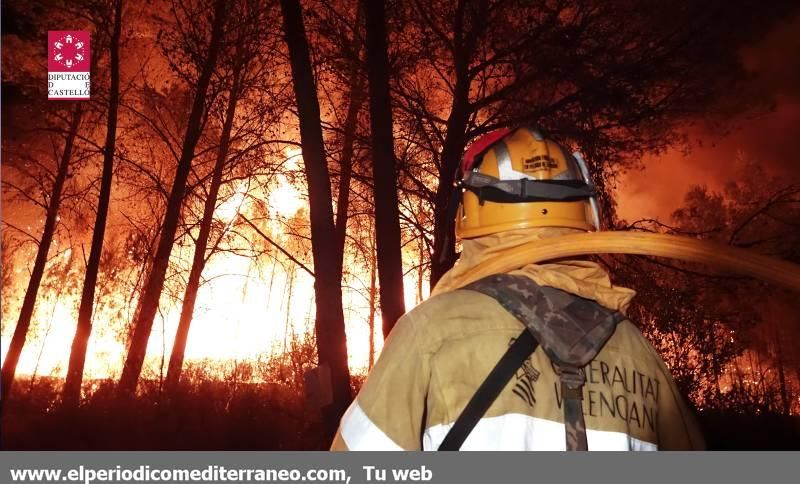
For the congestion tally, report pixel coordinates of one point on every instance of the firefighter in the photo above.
(516, 186)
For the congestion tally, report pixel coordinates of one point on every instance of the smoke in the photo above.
(771, 137)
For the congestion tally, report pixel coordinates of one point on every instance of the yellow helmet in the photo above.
(515, 179)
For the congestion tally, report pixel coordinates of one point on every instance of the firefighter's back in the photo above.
(440, 353)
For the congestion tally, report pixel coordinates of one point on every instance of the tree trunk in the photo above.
(29, 303)
(785, 402)
(797, 378)
(77, 357)
(287, 320)
(356, 99)
(444, 252)
(346, 161)
(387, 214)
(716, 367)
(155, 283)
(373, 293)
(420, 271)
(199, 259)
(331, 338)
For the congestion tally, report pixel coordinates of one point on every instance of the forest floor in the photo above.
(214, 415)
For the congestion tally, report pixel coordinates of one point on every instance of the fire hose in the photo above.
(719, 256)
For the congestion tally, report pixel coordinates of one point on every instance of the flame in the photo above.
(47, 349)
(230, 208)
(293, 156)
(246, 307)
(285, 200)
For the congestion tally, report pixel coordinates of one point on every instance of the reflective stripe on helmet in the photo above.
(504, 166)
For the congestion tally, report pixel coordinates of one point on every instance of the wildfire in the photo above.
(247, 308)
(230, 208)
(285, 200)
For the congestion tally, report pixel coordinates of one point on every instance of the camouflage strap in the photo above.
(570, 329)
(572, 380)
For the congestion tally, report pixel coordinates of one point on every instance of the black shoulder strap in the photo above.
(487, 393)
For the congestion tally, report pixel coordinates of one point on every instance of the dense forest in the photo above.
(209, 253)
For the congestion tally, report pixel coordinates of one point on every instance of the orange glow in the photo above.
(246, 308)
(230, 208)
(285, 200)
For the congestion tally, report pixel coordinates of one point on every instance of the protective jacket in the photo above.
(439, 353)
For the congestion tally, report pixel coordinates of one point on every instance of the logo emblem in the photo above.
(540, 162)
(68, 64)
(69, 51)
(525, 379)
